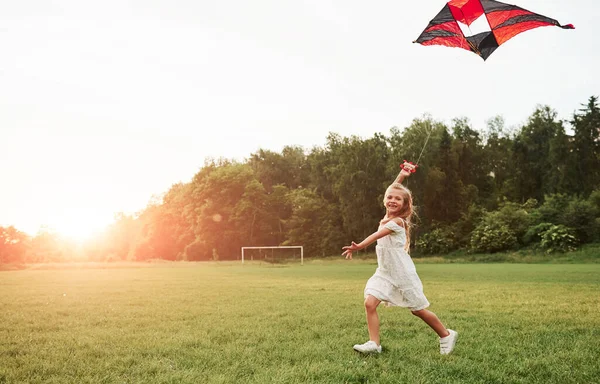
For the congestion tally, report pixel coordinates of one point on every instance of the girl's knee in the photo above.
(371, 303)
(418, 313)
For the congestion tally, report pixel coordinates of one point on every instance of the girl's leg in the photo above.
(432, 320)
(371, 303)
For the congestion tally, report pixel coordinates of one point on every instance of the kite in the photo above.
(505, 21)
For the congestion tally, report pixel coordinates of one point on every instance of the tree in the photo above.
(445, 196)
(313, 224)
(47, 246)
(120, 237)
(230, 205)
(498, 146)
(288, 168)
(13, 245)
(422, 136)
(585, 148)
(537, 146)
(472, 169)
(359, 177)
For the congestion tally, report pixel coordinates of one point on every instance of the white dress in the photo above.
(395, 281)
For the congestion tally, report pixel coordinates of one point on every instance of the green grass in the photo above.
(224, 323)
(589, 253)
(586, 254)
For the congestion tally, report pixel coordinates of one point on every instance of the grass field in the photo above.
(227, 323)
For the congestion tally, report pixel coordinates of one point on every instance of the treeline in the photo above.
(484, 190)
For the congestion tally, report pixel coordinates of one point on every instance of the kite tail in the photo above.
(568, 26)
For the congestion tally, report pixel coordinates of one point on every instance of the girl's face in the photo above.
(394, 200)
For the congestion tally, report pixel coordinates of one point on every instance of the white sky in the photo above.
(104, 104)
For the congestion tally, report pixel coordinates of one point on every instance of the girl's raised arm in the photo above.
(406, 169)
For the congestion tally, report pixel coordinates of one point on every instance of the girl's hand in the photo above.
(408, 168)
(349, 249)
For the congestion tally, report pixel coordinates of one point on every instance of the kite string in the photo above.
(425, 145)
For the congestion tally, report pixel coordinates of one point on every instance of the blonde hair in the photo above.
(407, 211)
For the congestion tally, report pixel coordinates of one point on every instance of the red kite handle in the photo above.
(408, 169)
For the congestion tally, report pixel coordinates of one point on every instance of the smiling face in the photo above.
(394, 201)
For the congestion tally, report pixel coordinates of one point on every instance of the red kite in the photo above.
(505, 22)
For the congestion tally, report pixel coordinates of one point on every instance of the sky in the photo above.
(105, 105)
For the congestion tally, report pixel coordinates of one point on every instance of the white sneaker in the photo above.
(447, 343)
(368, 347)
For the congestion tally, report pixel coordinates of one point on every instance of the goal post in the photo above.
(279, 247)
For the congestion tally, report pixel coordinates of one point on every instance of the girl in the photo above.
(395, 281)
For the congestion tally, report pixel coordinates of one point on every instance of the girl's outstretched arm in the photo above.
(365, 243)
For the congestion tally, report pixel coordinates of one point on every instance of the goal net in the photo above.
(275, 254)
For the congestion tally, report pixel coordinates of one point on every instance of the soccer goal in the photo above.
(268, 253)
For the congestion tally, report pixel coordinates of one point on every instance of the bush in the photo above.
(580, 215)
(501, 230)
(573, 212)
(438, 241)
(594, 199)
(553, 209)
(559, 238)
(534, 234)
(492, 236)
(463, 228)
(514, 216)
(196, 251)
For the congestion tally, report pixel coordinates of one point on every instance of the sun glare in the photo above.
(78, 225)
(78, 230)
(74, 212)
